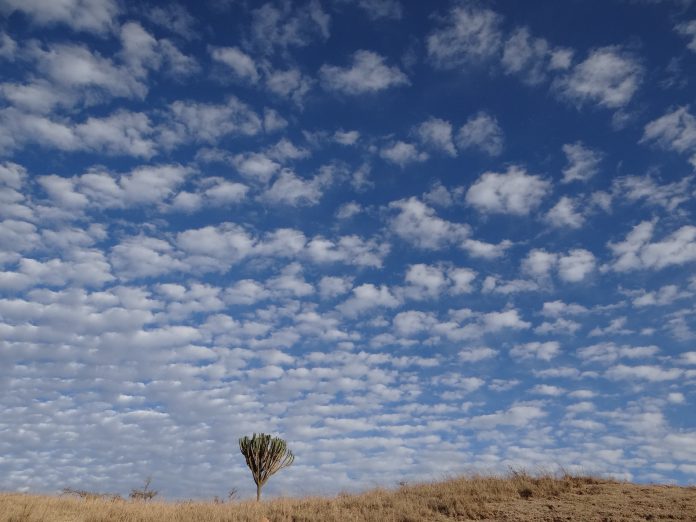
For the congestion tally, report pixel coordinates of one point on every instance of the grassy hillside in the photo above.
(518, 497)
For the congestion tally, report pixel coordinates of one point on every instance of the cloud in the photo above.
(281, 25)
(674, 130)
(346, 137)
(347, 249)
(367, 297)
(484, 250)
(663, 296)
(8, 47)
(241, 64)
(418, 224)
(536, 350)
(532, 58)
(608, 77)
(290, 83)
(621, 372)
(208, 122)
(688, 30)
(143, 256)
(513, 192)
(565, 214)
(610, 352)
(467, 34)
(429, 281)
(378, 9)
(583, 163)
(97, 188)
(368, 73)
(289, 189)
(94, 16)
(401, 153)
(472, 355)
(572, 267)
(669, 195)
(481, 131)
(638, 252)
(175, 18)
(437, 134)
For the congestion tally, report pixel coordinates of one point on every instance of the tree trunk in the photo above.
(258, 492)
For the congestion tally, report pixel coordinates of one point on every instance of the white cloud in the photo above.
(472, 355)
(572, 267)
(513, 192)
(8, 47)
(175, 18)
(241, 64)
(649, 373)
(376, 9)
(576, 265)
(637, 251)
(477, 248)
(402, 154)
(208, 122)
(144, 256)
(290, 189)
(366, 297)
(662, 296)
(481, 131)
(467, 34)
(367, 73)
(517, 415)
(346, 137)
(95, 16)
(425, 280)
(273, 121)
(610, 352)
(437, 134)
(347, 249)
(674, 130)
(526, 56)
(539, 263)
(290, 84)
(565, 214)
(495, 321)
(256, 166)
(418, 224)
(348, 210)
(583, 163)
(287, 24)
(494, 285)
(559, 308)
(608, 77)
(536, 350)
(688, 30)
(334, 286)
(119, 133)
(667, 195)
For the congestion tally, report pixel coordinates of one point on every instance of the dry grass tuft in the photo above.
(519, 496)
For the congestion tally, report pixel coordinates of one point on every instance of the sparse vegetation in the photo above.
(265, 456)
(550, 498)
(144, 493)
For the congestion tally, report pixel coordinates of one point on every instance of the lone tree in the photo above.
(265, 456)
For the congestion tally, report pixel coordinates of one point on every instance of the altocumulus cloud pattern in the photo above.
(411, 238)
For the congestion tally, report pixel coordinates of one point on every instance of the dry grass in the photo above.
(517, 497)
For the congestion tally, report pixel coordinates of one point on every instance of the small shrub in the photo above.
(145, 493)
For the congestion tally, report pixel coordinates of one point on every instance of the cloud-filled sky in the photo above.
(414, 239)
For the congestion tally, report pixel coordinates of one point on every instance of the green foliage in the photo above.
(265, 456)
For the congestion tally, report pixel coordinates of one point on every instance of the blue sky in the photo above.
(414, 239)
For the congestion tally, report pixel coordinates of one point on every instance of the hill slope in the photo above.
(519, 497)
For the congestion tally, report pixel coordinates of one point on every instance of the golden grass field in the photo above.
(516, 497)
